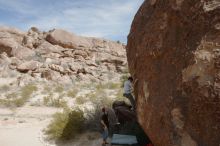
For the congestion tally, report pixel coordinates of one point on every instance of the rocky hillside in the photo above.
(174, 56)
(59, 56)
(45, 75)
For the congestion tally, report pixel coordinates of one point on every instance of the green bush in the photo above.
(65, 125)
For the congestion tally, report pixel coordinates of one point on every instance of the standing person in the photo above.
(105, 126)
(128, 91)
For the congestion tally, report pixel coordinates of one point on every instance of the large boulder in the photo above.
(10, 32)
(173, 55)
(11, 43)
(12, 48)
(67, 40)
(28, 66)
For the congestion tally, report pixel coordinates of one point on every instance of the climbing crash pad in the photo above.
(119, 139)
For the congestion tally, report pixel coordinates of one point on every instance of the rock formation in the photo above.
(174, 55)
(58, 55)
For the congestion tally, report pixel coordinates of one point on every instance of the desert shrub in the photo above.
(119, 94)
(4, 88)
(81, 100)
(59, 89)
(65, 125)
(46, 100)
(92, 97)
(109, 85)
(27, 90)
(14, 101)
(72, 93)
(18, 102)
(5, 102)
(47, 89)
(58, 102)
(11, 95)
(113, 85)
(54, 102)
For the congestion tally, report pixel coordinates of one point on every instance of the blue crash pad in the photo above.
(119, 139)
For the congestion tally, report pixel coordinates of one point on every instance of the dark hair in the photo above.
(103, 109)
(130, 78)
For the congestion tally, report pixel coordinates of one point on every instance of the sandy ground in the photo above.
(23, 127)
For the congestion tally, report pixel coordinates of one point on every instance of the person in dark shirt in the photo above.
(104, 125)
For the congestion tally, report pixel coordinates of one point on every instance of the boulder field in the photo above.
(59, 55)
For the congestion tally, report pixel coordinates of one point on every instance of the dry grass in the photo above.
(59, 89)
(81, 100)
(4, 88)
(14, 101)
(72, 93)
(54, 102)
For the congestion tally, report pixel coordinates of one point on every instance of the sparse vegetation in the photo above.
(27, 90)
(11, 95)
(59, 89)
(54, 102)
(81, 100)
(66, 125)
(119, 94)
(4, 88)
(46, 89)
(109, 85)
(14, 101)
(72, 93)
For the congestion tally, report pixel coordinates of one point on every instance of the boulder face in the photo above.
(174, 56)
(66, 39)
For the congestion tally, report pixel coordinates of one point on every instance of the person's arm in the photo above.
(130, 87)
(103, 123)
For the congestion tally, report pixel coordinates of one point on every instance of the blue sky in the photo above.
(110, 19)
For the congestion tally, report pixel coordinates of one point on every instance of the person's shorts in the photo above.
(105, 134)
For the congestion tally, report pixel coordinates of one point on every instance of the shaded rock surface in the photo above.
(123, 112)
(173, 54)
(60, 55)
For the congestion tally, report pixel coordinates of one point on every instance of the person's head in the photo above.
(130, 79)
(103, 110)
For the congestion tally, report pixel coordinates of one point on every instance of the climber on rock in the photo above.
(128, 89)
